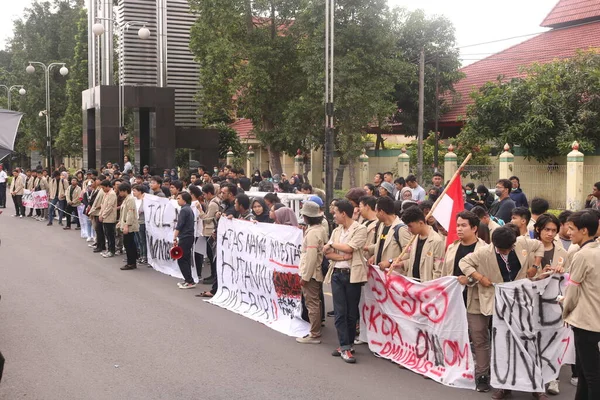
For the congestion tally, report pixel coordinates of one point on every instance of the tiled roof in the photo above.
(543, 48)
(243, 127)
(571, 11)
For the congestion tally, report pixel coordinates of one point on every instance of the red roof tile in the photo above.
(569, 11)
(544, 48)
(244, 128)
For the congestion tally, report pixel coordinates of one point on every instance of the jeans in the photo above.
(346, 297)
(62, 205)
(109, 232)
(140, 239)
(129, 242)
(3, 194)
(72, 214)
(19, 209)
(52, 209)
(480, 335)
(100, 238)
(185, 262)
(588, 364)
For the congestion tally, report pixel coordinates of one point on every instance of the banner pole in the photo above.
(458, 171)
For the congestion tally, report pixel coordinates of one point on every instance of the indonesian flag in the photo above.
(449, 206)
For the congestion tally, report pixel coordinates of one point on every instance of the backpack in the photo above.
(396, 233)
(497, 220)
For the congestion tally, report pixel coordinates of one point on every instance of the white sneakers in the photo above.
(185, 285)
(553, 388)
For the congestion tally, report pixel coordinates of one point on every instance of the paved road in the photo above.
(73, 326)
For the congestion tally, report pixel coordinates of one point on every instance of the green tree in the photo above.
(543, 112)
(69, 140)
(228, 139)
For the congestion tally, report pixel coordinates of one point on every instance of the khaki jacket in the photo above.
(44, 184)
(370, 235)
(97, 205)
(432, 257)
(32, 183)
(311, 255)
(391, 249)
(208, 217)
(129, 215)
(17, 185)
(108, 212)
(74, 200)
(357, 238)
(492, 226)
(62, 185)
(480, 299)
(582, 297)
(448, 267)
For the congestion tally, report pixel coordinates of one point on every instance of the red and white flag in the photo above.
(449, 206)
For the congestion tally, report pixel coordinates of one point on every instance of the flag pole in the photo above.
(458, 171)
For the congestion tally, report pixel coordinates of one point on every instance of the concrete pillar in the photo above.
(403, 164)
(450, 163)
(299, 163)
(250, 164)
(575, 194)
(363, 173)
(230, 157)
(315, 175)
(507, 163)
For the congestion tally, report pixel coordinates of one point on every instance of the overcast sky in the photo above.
(476, 21)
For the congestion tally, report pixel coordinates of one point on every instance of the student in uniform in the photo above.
(426, 254)
(108, 217)
(390, 234)
(94, 214)
(581, 307)
(72, 199)
(129, 225)
(16, 191)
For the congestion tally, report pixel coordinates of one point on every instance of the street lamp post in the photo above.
(143, 33)
(22, 91)
(63, 71)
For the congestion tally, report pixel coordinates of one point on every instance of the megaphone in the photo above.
(176, 252)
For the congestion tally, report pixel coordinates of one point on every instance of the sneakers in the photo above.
(358, 341)
(540, 396)
(338, 352)
(208, 281)
(186, 285)
(99, 251)
(574, 381)
(90, 239)
(66, 228)
(308, 339)
(553, 387)
(348, 357)
(331, 313)
(20, 216)
(128, 267)
(91, 244)
(108, 254)
(483, 384)
(501, 394)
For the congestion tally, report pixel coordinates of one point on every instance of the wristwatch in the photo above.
(470, 279)
(391, 261)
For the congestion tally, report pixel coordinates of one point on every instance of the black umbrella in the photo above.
(9, 124)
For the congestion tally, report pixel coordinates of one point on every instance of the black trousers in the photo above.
(100, 238)
(109, 232)
(588, 364)
(72, 213)
(18, 200)
(211, 257)
(3, 194)
(130, 249)
(1, 365)
(199, 261)
(185, 262)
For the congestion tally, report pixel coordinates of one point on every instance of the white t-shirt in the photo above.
(3, 176)
(343, 239)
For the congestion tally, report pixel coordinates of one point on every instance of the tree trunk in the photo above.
(249, 22)
(352, 173)
(379, 143)
(275, 161)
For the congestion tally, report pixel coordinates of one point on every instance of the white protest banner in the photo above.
(258, 274)
(27, 199)
(421, 326)
(529, 339)
(160, 217)
(40, 199)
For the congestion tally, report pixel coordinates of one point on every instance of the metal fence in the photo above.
(486, 175)
(546, 181)
(591, 175)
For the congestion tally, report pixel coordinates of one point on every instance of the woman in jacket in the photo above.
(261, 211)
(484, 197)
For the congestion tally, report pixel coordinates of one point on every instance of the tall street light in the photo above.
(144, 34)
(22, 91)
(63, 71)
(329, 108)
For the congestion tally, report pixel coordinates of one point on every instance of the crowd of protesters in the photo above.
(502, 237)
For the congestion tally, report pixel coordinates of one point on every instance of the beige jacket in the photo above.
(108, 212)
(129, 215)
(311, 255)
(432, 257)
(97, 205)
(357, 238)
(448, 267)
(480, 299)
(371, 226)
(391, 249)
(17, 185)
(492, 226)
(74, 200)
(44, 184)
(208, 217)
(32, 183)
(581, 305)
(62, 185)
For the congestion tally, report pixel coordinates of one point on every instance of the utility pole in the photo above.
(436, 147)
(421, 116)
(329, 127)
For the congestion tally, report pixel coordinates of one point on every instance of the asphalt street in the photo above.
(74, 326)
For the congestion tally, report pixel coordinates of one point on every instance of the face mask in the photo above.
(469, 192)
(513, 189)
(499, 192)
